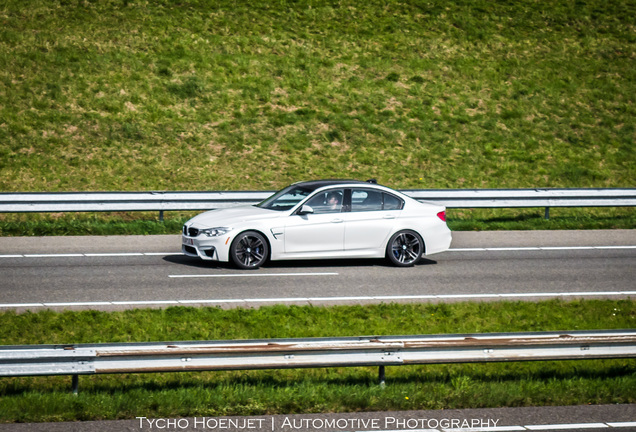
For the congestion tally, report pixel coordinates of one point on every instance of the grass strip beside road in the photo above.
(147, 223)
(316, 390)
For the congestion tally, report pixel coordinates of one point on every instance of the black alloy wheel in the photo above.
(249, 250)
(405, 248)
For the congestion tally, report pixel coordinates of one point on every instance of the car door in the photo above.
(370, 220)
(320, 232)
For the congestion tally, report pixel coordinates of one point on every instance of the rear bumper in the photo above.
(438, 241)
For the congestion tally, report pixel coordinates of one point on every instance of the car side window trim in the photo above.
(400, 201)
(346, 204)
(324, 207)
(381, 204)
(347, 199)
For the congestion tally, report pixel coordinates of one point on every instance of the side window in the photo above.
(363, 200)
(327, 201)
(392, 202)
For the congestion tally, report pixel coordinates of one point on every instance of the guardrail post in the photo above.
(381, 376)
(547, 212)
(75, 384)
(160, 215)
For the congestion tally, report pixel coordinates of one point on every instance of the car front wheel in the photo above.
(249, 250)
(405, 248)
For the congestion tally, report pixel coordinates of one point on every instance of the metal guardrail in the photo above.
(518, 198)
(173, 201)
(85, 359)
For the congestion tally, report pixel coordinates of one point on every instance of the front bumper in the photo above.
(206, 248)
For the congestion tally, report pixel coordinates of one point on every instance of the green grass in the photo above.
(316, 390)
(128, 95)
(147, 223)
(199, 95)
(534, 219)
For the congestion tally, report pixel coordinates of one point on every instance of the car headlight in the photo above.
(215, 232)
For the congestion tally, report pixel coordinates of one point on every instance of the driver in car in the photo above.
(333, 200)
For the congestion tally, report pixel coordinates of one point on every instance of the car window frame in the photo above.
(400, 200)
(383, 195)
(276, 196)
(325, 191)
(347, 204)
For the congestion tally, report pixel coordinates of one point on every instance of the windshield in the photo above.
(286, 199)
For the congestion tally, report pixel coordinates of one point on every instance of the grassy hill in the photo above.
(204, 95)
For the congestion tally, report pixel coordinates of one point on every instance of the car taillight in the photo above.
(442, 215)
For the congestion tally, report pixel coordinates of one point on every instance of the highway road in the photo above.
(116, 272)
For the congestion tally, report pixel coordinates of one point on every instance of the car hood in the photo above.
(231, 216)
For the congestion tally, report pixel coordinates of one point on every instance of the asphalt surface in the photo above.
(590, 418)
(149, 271)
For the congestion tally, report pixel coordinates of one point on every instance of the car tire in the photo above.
(405, 248)
(249, 250)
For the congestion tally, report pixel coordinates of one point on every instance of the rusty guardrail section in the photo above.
(85, 359)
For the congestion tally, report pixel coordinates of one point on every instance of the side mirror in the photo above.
(305, 210)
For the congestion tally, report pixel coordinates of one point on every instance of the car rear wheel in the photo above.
(249, 250)
(405, 248)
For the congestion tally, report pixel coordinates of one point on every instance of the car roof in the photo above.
(317, 184)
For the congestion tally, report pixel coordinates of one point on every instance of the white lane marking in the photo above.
(228, 301)
(145, 302)
(95, 303)
(21, 305)
(312, 299)
(91, 255)
(488, 429)
(568, 426)
(121, 254)
(561, 426)
(232, 275)
(537, 248)
(69, 255)
(476, 249)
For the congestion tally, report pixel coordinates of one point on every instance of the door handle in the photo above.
(388, 217)
(337, 221)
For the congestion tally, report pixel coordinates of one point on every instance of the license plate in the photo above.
(187, 241)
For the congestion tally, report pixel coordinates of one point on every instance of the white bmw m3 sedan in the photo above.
(317, 220)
